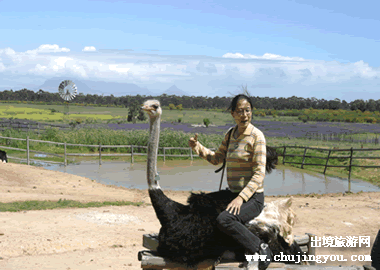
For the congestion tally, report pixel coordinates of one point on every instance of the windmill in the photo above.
(67, 90)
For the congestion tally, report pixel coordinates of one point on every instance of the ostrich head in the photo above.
(153, 108)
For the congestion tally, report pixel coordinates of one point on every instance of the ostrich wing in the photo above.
(166, 209)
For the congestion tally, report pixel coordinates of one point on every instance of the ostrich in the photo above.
(3, 156)
(189, 233)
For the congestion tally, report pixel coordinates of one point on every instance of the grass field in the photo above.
(43, 113)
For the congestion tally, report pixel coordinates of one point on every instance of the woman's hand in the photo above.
(193, 141)
(234, 206)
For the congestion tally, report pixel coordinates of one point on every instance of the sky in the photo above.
(277, 48)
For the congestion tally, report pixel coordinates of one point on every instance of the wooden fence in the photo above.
(343, 137)
(164, 155)
(99, 146)
(350, 157)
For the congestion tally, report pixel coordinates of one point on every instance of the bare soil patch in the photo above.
(63, 239)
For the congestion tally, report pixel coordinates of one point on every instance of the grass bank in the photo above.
(44, 205)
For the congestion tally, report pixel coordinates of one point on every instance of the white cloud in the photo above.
(48, 48)
(89, 49)
(200, 75)
(364, 70)
(62, 60)
(119, 68)
(268, 56)
(39, 68)
(9, 56)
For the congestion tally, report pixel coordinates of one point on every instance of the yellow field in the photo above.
(35, 114)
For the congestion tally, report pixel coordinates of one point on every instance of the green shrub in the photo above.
(206, 122)
(78, 120)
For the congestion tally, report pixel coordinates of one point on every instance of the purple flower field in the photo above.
(269, 128)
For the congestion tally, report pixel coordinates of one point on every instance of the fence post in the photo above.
(191, 154)
(349, 173)
(132, 153)
(27, 149)
(327, 161)
(303, 161)
(164, 153)
(65, 156)
(283, 158)
(100, 154)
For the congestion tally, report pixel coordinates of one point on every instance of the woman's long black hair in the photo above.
(236, 99)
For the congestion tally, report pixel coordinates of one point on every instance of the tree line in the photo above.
(195, 102)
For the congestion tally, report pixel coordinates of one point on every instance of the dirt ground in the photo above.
(58, 239)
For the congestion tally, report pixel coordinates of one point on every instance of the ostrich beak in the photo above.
(148, 108)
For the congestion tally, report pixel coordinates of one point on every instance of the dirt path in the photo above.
(70, 239)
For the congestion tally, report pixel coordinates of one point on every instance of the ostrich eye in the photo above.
(155, 106)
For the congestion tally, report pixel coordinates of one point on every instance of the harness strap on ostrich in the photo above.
(224, 161)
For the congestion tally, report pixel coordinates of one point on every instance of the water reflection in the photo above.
(199, 175)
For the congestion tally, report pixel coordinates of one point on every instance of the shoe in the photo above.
(250, 265)
(265, 250)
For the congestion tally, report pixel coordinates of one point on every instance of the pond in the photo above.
(199, 175)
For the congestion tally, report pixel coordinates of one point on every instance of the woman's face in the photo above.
(242, 113)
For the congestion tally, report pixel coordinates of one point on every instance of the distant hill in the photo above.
(52, 85)
(97, 87)
(107, 88)
(174, 90)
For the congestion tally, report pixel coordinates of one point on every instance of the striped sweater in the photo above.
(246, 160)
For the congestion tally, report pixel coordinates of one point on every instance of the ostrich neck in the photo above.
(164, 207)
(154, 136)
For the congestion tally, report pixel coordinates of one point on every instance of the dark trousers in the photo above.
(233, 225)
(375, 252)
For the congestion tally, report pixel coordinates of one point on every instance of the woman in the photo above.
(246, 160)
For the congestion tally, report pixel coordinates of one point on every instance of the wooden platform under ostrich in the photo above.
(150, 259)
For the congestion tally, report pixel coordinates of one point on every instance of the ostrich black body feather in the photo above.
(189, 233)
